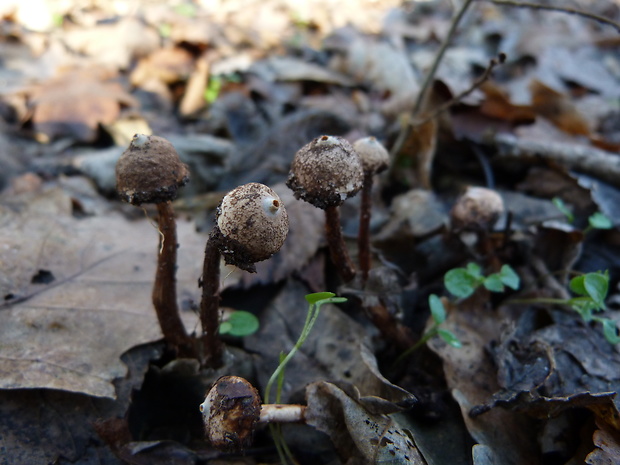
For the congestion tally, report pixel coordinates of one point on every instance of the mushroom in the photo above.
(232, 410)
(251, 226)
(472, 218)
(325, 172)
(150, 171)
(375, 158)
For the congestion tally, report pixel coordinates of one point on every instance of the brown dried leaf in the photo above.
(471, 375)
(497, 104)
(607, 448)
(559, 109)
(75, 103)
(358, 435)
(90, 299)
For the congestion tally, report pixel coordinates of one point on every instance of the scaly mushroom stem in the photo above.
(337, 247)
(210, 305)
(164, 289)
(363, 238)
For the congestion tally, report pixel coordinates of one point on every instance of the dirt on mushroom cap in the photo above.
(325, 172)
(253, 224)
(150, 171)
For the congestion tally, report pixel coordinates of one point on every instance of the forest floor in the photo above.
(486, 330)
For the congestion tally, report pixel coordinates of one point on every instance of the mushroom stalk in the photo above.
(232, 410)
(282, 413)
(210, 306)
(164, 289)
(363, 238)
(337, 246)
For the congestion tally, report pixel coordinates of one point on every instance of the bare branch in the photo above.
(561, 9)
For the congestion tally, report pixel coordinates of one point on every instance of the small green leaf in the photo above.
(474, 270)
(225, 327)
(438, 311)
(240, 323)
(314, 298)
(331, 300)
(610, 330)
(450, 338)
(577, 285)
(460, 282)
(493, 283)
(213, 89)
(509, 277)
(600, 221)
(584, 306)
(560, 205)
(596, 286)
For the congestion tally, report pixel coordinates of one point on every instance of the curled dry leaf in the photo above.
(358, 435)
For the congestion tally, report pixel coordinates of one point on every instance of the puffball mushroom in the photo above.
(251, 225)
(375, 158)
(325, 172)
(477, 209)
(232, 410)
(150, 171)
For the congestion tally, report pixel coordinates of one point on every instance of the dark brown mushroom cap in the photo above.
(375, 157)
(477, 209)
(252, 225)
(325, 172)
(149, 171)
(230, 413)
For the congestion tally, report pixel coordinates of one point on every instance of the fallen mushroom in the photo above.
(232, 411)
(375, 158)
(325, 172)
(251, 226)
(150, 171)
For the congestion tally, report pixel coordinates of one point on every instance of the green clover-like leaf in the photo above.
(600, 221)
(450, 338)
(438, 311)
(509, 277)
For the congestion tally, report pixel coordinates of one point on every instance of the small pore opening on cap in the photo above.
(271, 205)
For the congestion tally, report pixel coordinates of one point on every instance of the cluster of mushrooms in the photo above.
(251, 226)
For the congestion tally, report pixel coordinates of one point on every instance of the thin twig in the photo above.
(561, 9)
(402, 136)
(501, 58)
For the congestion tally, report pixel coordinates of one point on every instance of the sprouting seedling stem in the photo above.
(311, 317)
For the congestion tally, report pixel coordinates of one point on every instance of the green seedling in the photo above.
(462, 282)
(439, 315)
(595, 221)
(240, 324)
(590, 291)
(315, 301)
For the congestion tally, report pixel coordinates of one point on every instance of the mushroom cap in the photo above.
(375, 157)
(325, 172)
(252, 225)
(230, 412)
(477, 209)
(149, 171)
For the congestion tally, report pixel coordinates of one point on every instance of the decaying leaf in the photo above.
(68, 332)
(74, 103)
(358, 435)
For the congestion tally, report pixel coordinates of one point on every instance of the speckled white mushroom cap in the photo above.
(375, 158)
(252, 225)
(325, 172)
(477, 209)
